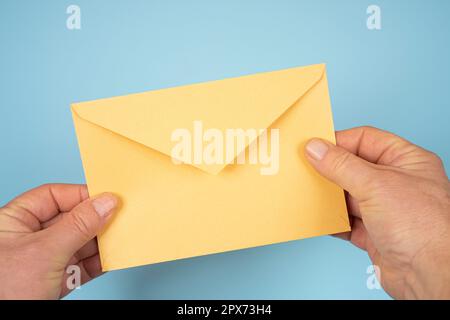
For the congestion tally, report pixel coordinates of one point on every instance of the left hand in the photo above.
(45, 230)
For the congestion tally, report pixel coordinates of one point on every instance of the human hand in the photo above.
(45, 230)
(399, 205)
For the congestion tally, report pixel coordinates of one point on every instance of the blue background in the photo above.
(396, 79)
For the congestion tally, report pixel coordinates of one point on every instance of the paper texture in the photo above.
(171, 211)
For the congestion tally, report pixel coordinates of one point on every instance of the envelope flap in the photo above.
(248, 102)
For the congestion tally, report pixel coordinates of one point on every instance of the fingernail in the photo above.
(104, 204)
(317, 149)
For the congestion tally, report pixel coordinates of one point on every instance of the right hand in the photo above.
(399, 205)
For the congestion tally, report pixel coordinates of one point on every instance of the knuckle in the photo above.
(434, 158)
(45, 185)
(368, 128)
(340, 162)
(81, 224)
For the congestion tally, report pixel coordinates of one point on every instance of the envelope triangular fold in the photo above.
(253, 101)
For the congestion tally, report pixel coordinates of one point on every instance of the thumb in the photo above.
(80, 225)
(341, 167)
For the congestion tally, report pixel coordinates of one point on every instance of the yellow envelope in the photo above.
(171, 211)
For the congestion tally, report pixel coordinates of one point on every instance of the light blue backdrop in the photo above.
(396, 78)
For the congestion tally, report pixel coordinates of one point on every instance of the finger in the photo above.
(75, 229)
(385, 148)
(352, 206)
(90, 268)
(88, 250)
(53, 220)
(93, 266)
(358, 235)
(46, 201)
(343, 235)
(372, 144)
(350, 172)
